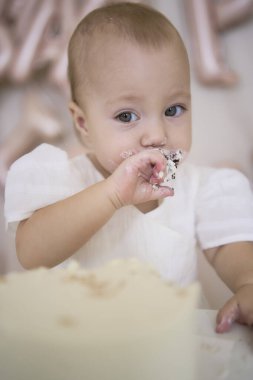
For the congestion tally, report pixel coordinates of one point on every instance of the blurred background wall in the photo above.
(34, 92)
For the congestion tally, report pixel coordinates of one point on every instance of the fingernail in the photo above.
(170, 189)
(224, 325)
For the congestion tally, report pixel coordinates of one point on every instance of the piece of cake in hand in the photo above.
(121, 321)
(173, 157)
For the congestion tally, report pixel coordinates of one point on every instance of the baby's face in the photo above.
(139, 99)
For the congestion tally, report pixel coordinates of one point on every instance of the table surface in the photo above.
(227, 356)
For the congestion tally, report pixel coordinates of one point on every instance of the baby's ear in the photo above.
(78, 118)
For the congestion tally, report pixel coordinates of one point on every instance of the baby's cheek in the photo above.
(107, 163)
(112, 164)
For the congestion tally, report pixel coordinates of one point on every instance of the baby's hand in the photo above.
(137, 179)
(238, 309)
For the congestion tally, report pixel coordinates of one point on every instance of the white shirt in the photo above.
(211, 207)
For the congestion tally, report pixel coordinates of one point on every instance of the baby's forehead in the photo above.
(118, 60)
(105, 46)
(113, 54)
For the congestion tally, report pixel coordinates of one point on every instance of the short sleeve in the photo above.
(224, 208)
(37, 179)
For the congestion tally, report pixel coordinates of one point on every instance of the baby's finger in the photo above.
(162, 192)
(227, 315)
(157, 178)
(159, 169)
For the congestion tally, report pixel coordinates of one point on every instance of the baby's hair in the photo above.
(133, 22)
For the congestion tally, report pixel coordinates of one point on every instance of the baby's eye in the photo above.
(127, 117)
(176, 110)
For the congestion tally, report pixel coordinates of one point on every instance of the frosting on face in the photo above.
(126, 154)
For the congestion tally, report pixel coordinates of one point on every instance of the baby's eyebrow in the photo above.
(133, 98)
(124, 98)
(179, 93)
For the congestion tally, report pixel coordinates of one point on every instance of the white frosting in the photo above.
(174, 157)
(118, 322)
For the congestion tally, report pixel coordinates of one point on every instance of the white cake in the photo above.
(121, 322)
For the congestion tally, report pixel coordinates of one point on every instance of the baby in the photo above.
(131, 106)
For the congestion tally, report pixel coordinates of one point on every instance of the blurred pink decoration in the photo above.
(34, 35)
(206, 19)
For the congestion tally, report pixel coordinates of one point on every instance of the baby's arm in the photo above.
(234, 265)
(52, 234)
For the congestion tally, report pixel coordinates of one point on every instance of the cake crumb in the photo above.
(67, 321)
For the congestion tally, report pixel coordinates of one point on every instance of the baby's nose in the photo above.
(154, 135)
